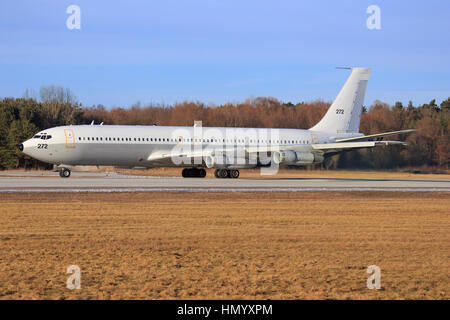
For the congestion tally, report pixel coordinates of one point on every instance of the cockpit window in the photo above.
(43, 137)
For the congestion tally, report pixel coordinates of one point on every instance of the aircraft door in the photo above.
(70, 138)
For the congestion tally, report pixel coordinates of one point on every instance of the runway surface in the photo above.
(12, 182)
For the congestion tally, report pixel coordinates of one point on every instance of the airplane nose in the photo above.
(20, 146)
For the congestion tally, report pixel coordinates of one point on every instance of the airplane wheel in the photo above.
(222, 173)
(216, 173)
(64, 173)
(193, 173)
(188, 173)
(234, 174)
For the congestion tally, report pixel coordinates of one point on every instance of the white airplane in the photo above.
(225, 149)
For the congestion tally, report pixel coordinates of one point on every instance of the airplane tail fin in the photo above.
(344, 114)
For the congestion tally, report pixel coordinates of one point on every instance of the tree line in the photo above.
(428, 147)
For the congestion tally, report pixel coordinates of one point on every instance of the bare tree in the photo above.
(59, 94)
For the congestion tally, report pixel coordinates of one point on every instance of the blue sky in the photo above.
(164, 51)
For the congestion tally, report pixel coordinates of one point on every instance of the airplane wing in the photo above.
(326, 147)
(377, 136)
(183, 155)
(319, 147)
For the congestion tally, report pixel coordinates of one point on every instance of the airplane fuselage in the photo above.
(133, 146)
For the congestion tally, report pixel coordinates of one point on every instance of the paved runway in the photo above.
(116, 182)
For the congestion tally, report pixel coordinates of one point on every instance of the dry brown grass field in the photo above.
(225, 245)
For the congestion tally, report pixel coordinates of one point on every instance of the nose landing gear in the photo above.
(64, 173)
(224, 173)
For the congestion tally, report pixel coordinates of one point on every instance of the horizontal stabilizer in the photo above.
(371, 137)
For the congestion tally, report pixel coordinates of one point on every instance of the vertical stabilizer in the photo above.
(344, 114)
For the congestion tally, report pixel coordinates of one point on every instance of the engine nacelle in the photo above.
(304, 158)
(284, 157)
(318, 158)
(296, 158)
(224, 162)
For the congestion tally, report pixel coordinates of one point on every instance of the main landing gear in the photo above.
(64, 173)
(201, 173)
(193, 173)
(224, 173)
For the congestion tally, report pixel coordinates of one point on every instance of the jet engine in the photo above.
(224, 162)
(296, 158)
